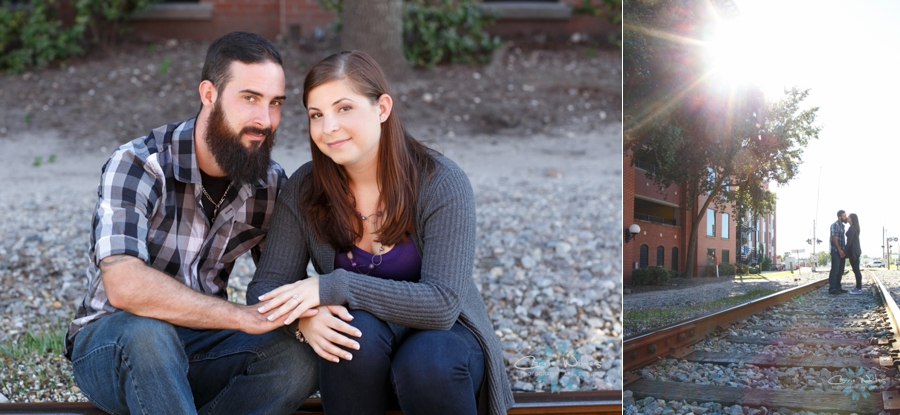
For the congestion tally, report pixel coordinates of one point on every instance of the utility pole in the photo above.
(813, 243)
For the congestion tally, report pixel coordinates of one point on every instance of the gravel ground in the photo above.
(869, 318)
(548, 261)
(691, 300)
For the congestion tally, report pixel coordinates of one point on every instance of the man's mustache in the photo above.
(266, 132)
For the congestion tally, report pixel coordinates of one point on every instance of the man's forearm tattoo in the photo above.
(112, 260)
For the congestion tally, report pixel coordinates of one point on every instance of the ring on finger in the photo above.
(296, 297)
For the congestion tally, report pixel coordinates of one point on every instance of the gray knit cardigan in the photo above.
(444, 236)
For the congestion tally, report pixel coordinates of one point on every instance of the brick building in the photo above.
(293, 19)
(665, 228)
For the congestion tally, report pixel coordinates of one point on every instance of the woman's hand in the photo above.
(291, 300)
(324, 332)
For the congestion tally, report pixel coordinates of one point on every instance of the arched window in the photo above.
(644, 254)
(674, 258)
(660, 256)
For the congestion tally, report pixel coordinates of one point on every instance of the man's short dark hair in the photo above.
(244, 47)
(840, 212)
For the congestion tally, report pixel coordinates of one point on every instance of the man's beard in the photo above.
(243, 165)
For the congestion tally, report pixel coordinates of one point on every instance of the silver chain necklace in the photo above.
(216, 210)
(376, 258)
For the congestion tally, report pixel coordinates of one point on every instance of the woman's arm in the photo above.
(446, 225)
(286, 254)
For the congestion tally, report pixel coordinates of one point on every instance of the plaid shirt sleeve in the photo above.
(127, 193)
(835, 233)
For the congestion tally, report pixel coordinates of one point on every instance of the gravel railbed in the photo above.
(689, 302)
(864, 315)
(547, 263)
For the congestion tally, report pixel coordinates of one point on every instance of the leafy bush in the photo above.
(766, 264)
(650, 276)
(34, 37)
(726, 269)
(674, 274)
(742, 269)
(754, 270)
(613, 9)
(105, 18)
(436, 31)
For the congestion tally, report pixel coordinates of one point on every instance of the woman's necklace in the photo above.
(377, 259)
(216, 210)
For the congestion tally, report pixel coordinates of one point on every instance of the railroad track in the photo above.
(797, 351)
(529, 403)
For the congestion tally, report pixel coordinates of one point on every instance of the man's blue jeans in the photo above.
(837, 272)
(129, 364)
(431, 371)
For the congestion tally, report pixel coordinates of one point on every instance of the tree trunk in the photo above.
(376, 27)
(692, 240)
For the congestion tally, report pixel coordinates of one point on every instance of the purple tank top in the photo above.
(401, 263)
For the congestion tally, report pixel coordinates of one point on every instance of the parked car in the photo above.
(877, 263)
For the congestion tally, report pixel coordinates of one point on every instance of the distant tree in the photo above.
(824, 258)
(376, 27)
(727, 142)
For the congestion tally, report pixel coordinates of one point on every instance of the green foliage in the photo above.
(439, 31)
(105, 18)
(766, 264)
(742, 269)
(650, 276)
(724, 270)
(824, 257)
(41, 343)
(754, 269)
(165, 65)
(33, 37)
(613, 11)
(436, 31)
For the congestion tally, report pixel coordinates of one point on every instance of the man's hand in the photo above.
(325, 331)
(133, 286)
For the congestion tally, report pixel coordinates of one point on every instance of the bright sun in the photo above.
(737, 56)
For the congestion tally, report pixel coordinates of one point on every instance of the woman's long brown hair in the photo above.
(326, 200)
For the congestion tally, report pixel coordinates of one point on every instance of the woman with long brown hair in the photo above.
(389, 226)
(853, 251)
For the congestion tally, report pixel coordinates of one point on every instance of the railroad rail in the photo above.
(527, 403)
(818, 353)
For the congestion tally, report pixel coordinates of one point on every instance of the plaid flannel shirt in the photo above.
(837, 229)
(149, 206)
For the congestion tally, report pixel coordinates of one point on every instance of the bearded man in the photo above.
(155, 332)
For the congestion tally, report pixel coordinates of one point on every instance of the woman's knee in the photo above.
(434, 359)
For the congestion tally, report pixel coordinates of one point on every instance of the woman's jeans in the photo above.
(129, 364)
(429, 372)
(854, 263)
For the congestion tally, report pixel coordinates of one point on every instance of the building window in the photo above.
(674, 258)
(660, 256)
(644, 254)
(710, 222)
(725, 224)
(725, 256)
(710, 256)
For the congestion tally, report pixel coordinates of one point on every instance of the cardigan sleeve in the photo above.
(445, 221)
(285, 256)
